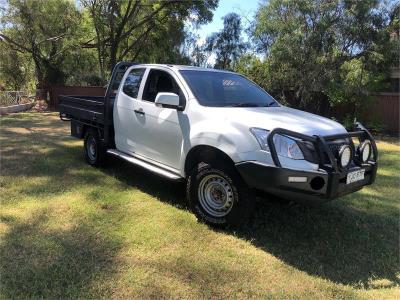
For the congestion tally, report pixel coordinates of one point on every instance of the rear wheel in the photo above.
(218, 196)
(93, 149)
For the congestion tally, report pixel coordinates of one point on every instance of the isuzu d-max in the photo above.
(221, 133)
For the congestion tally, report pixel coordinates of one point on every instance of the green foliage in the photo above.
(47, 30)
(378, 126)
(80, 67)
(252, 67)
(354, 81)
(227, 44)
(149, 31)
(15, 69)
(63, 43)
(310, 54)
(339, 50)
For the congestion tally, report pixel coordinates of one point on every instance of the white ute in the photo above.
(221, 133)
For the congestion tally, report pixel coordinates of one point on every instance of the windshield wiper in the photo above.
(271, 104)
(245, 104)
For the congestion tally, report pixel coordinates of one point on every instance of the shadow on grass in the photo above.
(332, 241)
(172, 192)
(41, 263)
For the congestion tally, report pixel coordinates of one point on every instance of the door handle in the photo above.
(139, 111)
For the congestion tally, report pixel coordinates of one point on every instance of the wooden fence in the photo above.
(385, 111)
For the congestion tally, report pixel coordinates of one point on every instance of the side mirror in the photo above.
(167, 100)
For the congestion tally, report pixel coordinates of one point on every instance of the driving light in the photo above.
(365, 151)
(297, 179)
(344, 156)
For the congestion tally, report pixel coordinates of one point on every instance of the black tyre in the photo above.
(218, 196)
(93, 149)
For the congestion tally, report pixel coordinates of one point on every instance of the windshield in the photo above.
(226, 89)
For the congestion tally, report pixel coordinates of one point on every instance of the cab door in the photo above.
(161, 136)
(127, 114)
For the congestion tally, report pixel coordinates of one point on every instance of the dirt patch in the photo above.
(40, 106)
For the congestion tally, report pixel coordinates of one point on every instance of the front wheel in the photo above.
(93, 150)
(218, 196)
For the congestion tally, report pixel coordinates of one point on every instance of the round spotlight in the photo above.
(344, 156)
(365, 151)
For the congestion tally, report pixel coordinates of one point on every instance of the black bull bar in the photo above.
(321, 144)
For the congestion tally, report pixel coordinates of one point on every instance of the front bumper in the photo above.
(319, 185)
(327, 183)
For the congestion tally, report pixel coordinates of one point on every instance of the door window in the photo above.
(132, 82)
(160, 81)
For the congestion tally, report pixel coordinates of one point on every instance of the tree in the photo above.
(227, 44)
(192, 51)
(252, 67)
(321, 52)
(125, 28)
(15, 68)
(46, 30)
(198, 56)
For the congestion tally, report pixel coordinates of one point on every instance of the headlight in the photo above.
(284, 146)
(365, 151)
(287, 147)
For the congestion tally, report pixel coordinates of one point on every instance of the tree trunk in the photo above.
(100, 55)
(113, 56)
(41, 84)
(114, 42)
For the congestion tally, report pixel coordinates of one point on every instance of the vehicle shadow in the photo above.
(332, 241)
(171, 192)
(54, 264)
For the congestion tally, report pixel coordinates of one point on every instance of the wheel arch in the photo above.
(205, 153)
(86, 128)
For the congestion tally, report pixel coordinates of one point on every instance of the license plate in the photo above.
(355, 176)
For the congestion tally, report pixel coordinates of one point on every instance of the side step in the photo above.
(146, 165)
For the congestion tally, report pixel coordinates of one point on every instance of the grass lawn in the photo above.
(72, 231)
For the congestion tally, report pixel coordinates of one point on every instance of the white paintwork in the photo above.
(167, 99)
(164, 136)
(158, 133)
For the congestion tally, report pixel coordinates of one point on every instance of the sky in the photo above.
(244, 8)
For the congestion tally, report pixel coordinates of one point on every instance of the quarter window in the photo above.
(132, 82)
